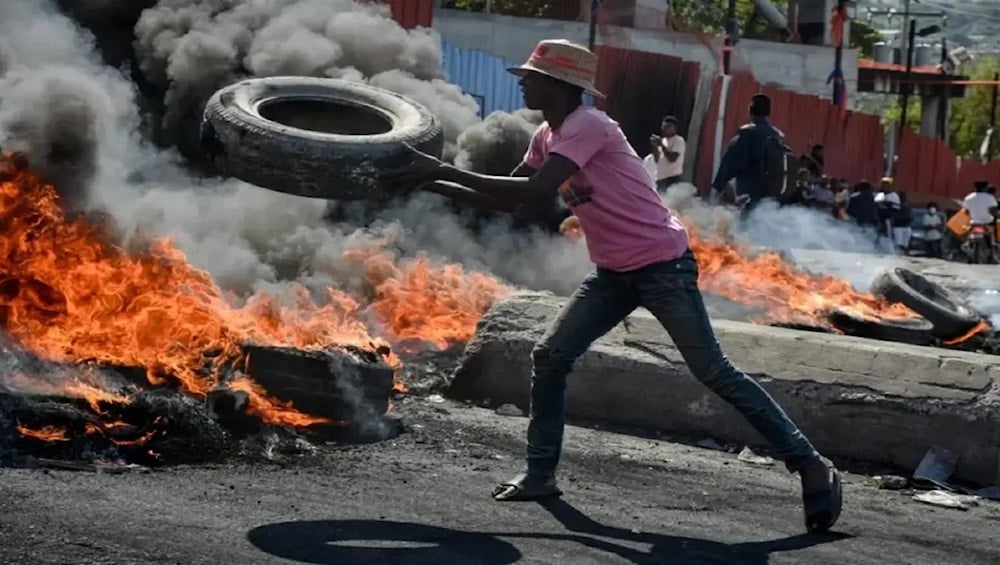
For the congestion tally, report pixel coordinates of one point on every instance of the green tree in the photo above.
(970, 116)
(522, 8)
(710, 17)
(894, 112)
(891, 110)
(864, 38)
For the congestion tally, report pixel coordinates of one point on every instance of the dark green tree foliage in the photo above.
(970, 116)
(864, 38)
(521, 8)
(710, 17)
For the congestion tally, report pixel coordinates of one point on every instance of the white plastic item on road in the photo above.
(947, 499)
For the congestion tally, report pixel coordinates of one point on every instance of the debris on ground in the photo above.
(991, 493)
(890, 482)
(510, 410)
(947, 499)
(710, 443)
(435, 399)
(935, 471)
(748, 456)
(936, 468)
(109, 467)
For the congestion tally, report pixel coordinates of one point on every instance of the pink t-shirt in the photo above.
(624, 221)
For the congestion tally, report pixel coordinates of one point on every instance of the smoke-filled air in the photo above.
(106, 98)
(120, 139)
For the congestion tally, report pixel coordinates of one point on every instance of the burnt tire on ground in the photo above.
(313, 137)
(915, 331)
(950, 315)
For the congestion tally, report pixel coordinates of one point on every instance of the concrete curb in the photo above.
(856, 398)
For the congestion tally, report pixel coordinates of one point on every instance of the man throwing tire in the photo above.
(642, 257)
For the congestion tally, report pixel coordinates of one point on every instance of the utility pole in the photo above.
(838, 55)
(907, 23)
(906, 86)
(595, 6)
(942, 115)
(731, 31)
(909, 37)
(993, 117)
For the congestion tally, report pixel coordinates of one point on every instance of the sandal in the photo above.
(822, 508)
(527, 487)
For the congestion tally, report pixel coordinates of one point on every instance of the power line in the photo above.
(964, 11)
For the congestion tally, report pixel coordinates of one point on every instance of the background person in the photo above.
(665, 161)
(981, 205)
(902, 224)
(887, 205)
(933, 225)
(746, 155)
(861, 206)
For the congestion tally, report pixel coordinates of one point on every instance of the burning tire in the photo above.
(915, 331)
(319, 138)
(950, 315)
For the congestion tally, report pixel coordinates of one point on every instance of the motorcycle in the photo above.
(979, 245)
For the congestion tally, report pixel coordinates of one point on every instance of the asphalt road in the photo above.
(423, 498)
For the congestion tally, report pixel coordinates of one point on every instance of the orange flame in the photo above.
(45, 433)
(981, 327)
(68, 295)
(785, 293)
(767, 282)
(571, 228)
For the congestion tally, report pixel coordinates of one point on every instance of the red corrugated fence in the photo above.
(412, 13)
(930, 168)
(853, 145)
(643, 87)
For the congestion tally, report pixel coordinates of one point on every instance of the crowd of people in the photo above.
(882, 211)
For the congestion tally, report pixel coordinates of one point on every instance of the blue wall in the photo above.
(485, 77)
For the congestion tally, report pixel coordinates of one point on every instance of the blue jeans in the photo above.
(670, 292)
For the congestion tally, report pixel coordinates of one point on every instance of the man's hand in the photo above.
(656, 146)
(421, 169)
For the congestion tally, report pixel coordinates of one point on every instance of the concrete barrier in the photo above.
(855, 398)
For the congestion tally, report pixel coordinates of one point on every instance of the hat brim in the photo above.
(527, 68)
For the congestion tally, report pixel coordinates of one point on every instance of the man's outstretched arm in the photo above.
(469, 196)
(543, 183)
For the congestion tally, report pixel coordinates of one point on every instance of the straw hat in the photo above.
(563, 60)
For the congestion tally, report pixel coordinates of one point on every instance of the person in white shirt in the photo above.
(665, 162)
(982, 207)
(888, 204)
(980, 204)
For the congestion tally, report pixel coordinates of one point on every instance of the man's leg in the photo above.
(602, 301)
(670, 292)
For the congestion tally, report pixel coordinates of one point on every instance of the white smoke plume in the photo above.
(769, 225)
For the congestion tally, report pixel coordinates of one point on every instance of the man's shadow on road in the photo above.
(375, 541)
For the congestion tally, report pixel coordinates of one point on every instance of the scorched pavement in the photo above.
(422, 497)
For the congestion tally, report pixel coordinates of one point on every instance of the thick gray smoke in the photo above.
(56, 91)
(80, 120)
(190, 48)
(56, 102)
(497, 145)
